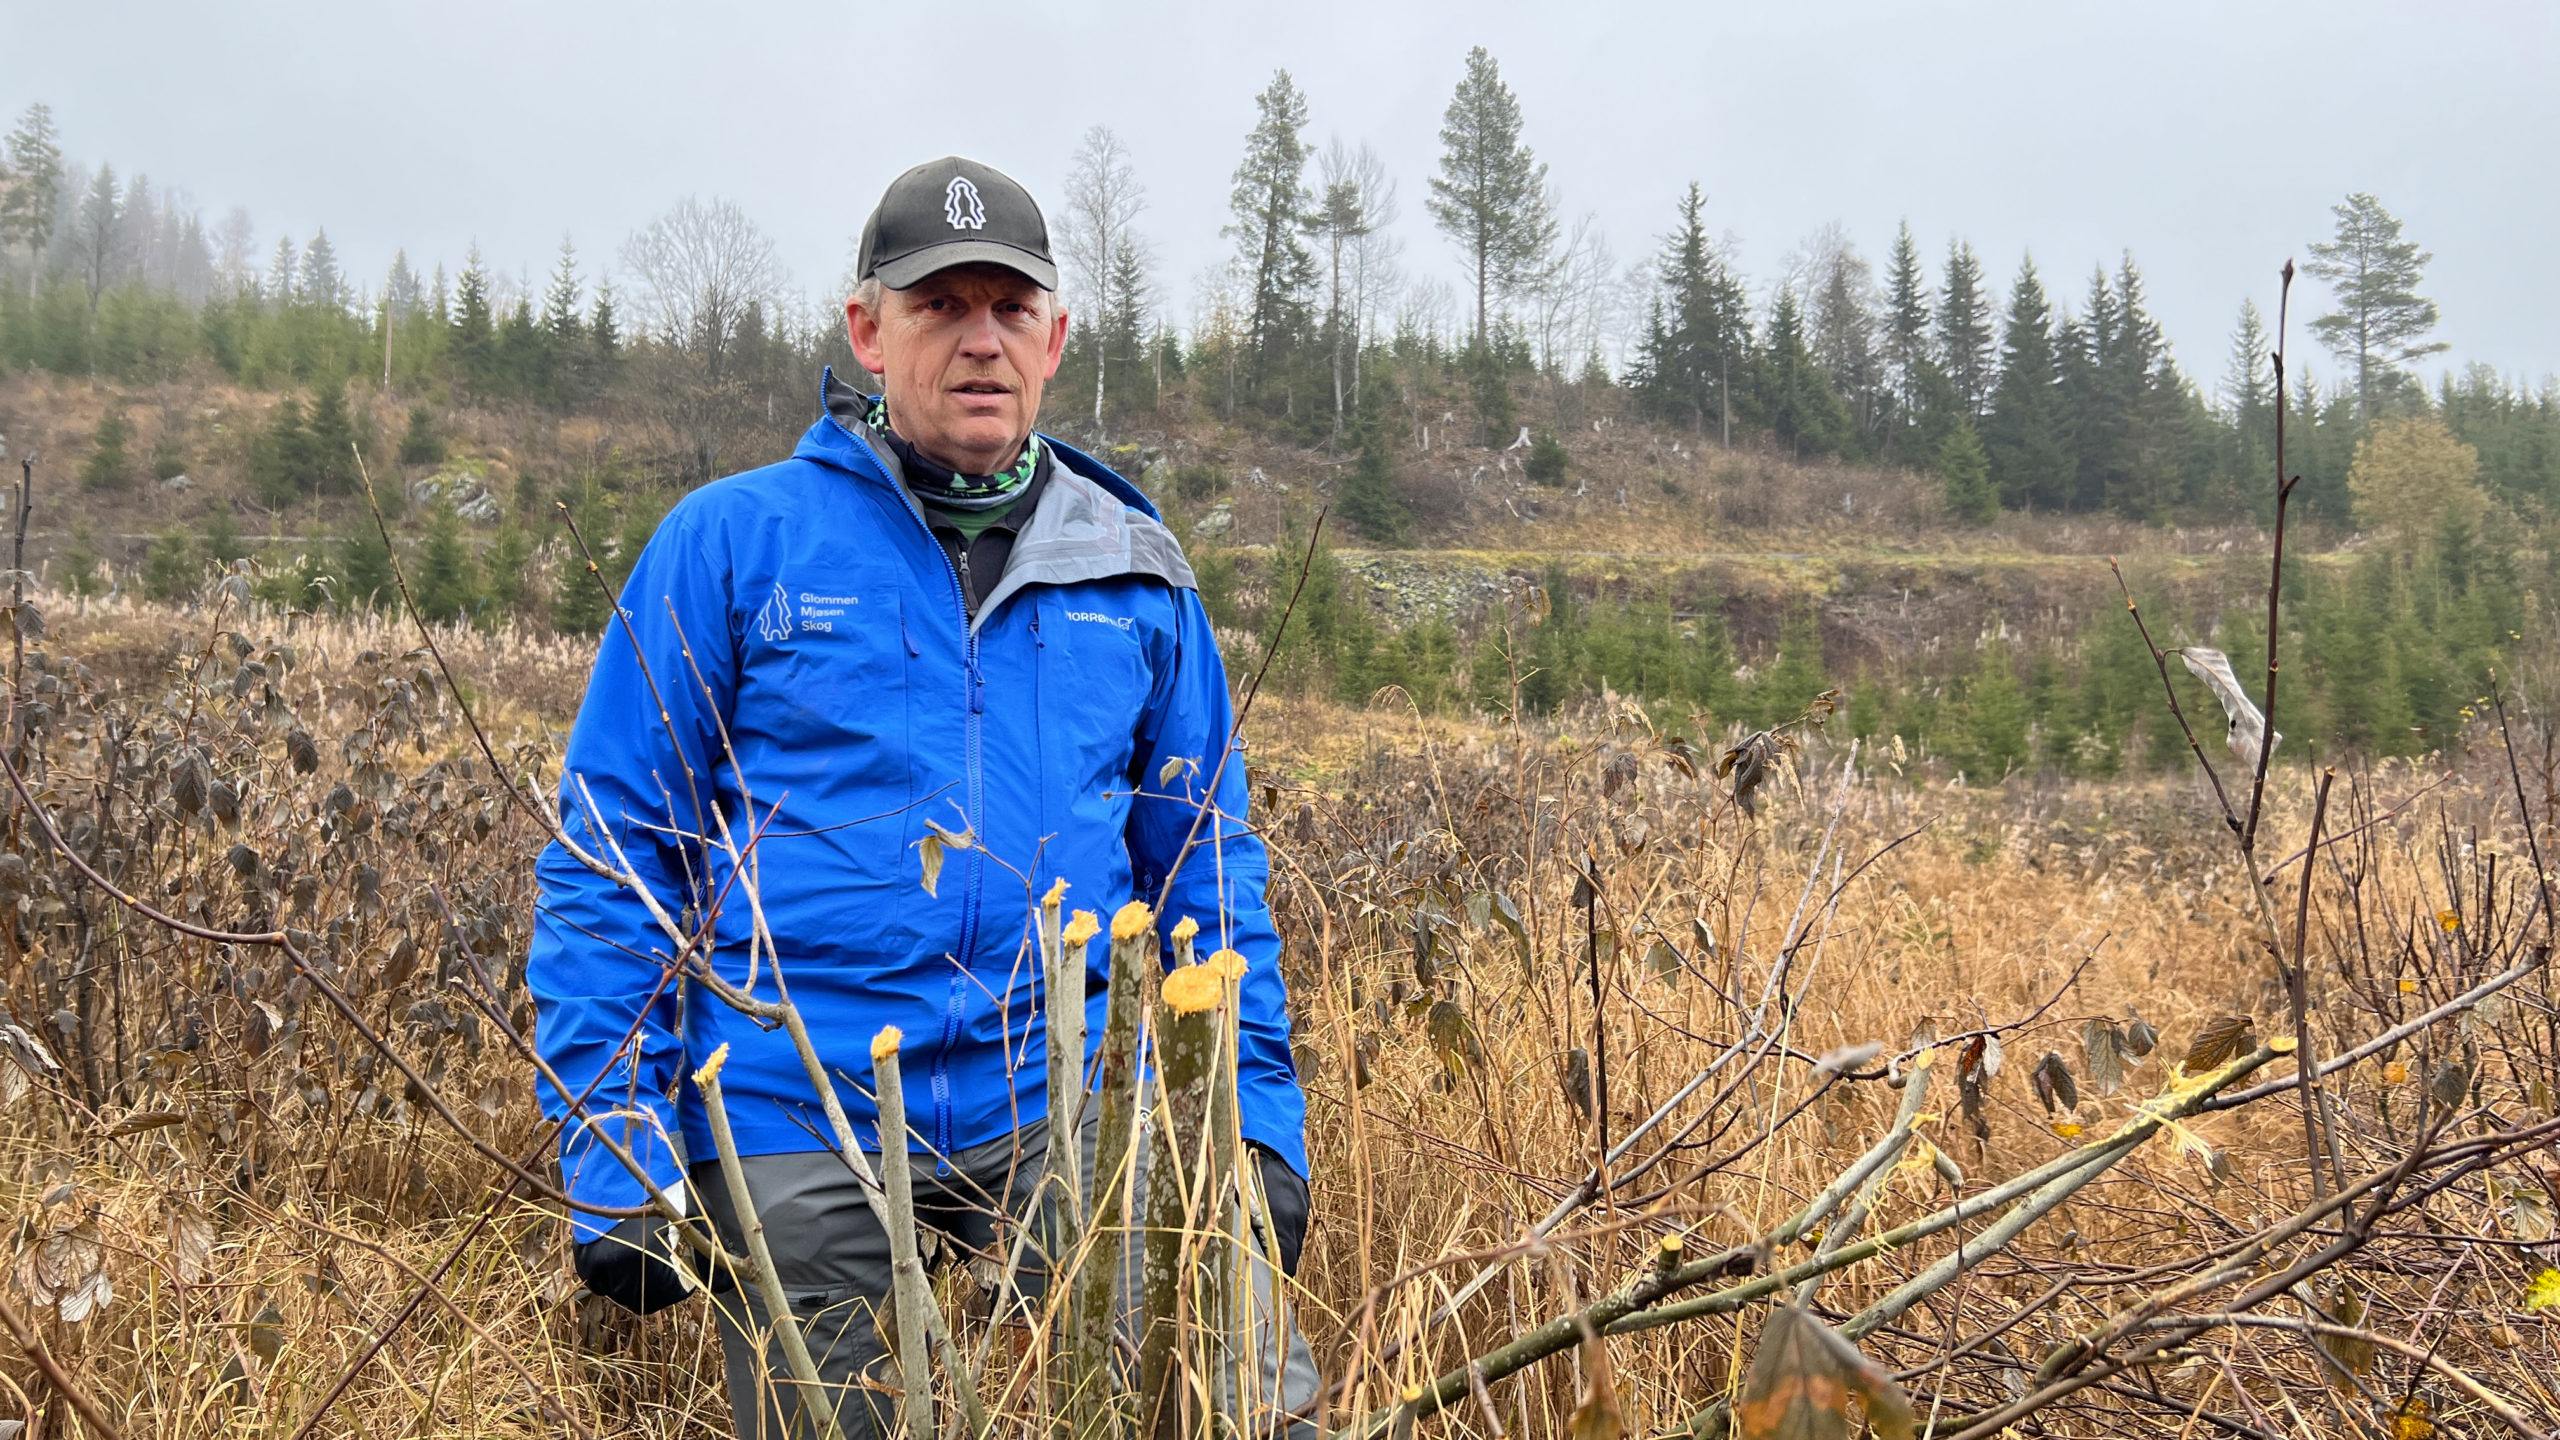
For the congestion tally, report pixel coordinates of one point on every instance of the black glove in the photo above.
(629, 1265)
(1286, 1196)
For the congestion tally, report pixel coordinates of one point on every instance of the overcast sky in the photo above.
(2210, 139)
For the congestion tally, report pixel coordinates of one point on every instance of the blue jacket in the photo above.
(799, 625)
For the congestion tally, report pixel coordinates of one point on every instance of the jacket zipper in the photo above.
(956, 1010)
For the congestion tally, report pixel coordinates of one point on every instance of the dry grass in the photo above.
(205, 1091)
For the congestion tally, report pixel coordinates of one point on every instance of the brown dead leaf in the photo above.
(1801, 1381)
(2217, 1043)
(1599, 1416)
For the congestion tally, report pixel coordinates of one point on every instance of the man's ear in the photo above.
(862, 331)
(1057, 337)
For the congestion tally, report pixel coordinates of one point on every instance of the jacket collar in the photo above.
(834, 441)
(1089, 524)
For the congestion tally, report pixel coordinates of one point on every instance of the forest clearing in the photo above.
(247, 1212)
(1206, 771)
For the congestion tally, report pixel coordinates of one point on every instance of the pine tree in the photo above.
(1966, 474)
(2381, 321)
(1964, 330)
(2026, 438)
(33, 156)
(1270, 204)
(1490, 197)
(109, 467)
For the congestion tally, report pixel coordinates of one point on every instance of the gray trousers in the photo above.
(833, 1256)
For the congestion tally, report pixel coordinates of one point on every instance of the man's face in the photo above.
(962, 355)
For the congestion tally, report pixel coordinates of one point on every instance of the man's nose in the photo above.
(980, 339)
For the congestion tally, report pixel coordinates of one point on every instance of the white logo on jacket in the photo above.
(1098, 618)
(960, 205)
(773, 622)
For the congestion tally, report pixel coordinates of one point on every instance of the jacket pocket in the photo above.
(825, 719)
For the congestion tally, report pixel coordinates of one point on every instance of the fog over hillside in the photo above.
(2207, 140)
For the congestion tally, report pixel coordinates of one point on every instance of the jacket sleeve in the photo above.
(644, 746)
(1220, 882)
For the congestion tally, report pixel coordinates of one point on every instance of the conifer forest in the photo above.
(1860, 842)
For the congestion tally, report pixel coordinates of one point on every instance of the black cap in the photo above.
(950, 212)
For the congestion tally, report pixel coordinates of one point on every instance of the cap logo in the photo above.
(961, 207)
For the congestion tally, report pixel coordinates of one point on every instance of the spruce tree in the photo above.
(579, 605)
(109, 467)
(1796, 402)
(1270, 204)
(473, 344)
(2381, 321)
(364, 568)
(333, 442)
(1693, 357)
(2249, 401)
(604, 339)
(422, 443)
(1907, 324)
(220, 540)
(1995, 717)
(1842, 331)
(169, 449)
(1964, 330)
(321, 285)
(1370, 499)
(80, 563)
(1966, 474)
(1489, 381)
(281, 460)
(2026, 437)
(169, 571)
(1547, 460)
(447, 584)
(1490, 197)
(510, 552)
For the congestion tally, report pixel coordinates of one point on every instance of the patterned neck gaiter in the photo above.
(939, 484)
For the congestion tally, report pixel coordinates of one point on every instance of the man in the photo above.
(929, 616)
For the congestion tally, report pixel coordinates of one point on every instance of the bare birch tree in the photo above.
(1354, 200)
(1099, 237)
(700, 267)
